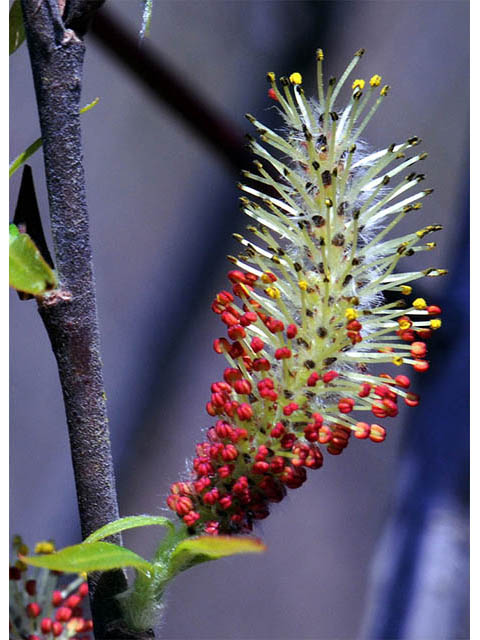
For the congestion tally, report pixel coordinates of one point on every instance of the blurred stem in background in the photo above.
(420, 573)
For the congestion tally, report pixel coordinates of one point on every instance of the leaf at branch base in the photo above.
(28, 271)
(130, 522)
(87, 557)
(16, 29)
(192, 551)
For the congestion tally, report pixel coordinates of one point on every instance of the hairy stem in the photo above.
(57, 53)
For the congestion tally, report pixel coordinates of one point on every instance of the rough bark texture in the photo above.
(57, 54)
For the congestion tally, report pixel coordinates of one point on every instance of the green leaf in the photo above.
(17, 31)
(192, 551)
(28, 271)
(129, 522)
(86, 557)
(29, 151)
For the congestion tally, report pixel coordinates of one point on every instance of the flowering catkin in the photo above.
(307, 314)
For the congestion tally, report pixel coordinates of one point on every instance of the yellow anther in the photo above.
(271, 76)
(406, 289)
(398, 361)
(359, 83)
(296, 78)
(419, 303)
(431, 245)
(421, 232)
(385, 90)
(45, 546)
(351, 314)
(273, 292)
(375, 80)
(320, 55)
(303, 285)
(404, 325)
(435, 324)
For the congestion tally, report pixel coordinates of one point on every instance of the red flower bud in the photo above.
(377, 433)
(46, 625)
(403, 381)
(362, 430)
(329, 376)
(242, 386)
(33, 610)
(283, 353)
(244, 411)
(63, 614)
(421, 365)
(292, 331)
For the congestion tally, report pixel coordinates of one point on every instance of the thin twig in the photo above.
(57, 54)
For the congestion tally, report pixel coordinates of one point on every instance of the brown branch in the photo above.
(57, 53)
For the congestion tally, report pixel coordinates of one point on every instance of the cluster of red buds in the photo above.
(306, 315)
(41, 609)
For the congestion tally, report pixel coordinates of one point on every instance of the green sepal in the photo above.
(28, 271)
(130, 522)
(87, 557)
(16, 28)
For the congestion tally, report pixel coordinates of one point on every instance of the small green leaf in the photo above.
(89, 106)
(17, 31)
(129, 522)
(94, 556)
(29, 151)
(28, 271)
(192, 551)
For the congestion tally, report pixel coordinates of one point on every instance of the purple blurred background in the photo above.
(163, 206)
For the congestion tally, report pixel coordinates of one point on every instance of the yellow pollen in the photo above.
(320, 54)
(398, 361)
(431, 245)
(419, 303)
(351, 314)
(385, 90)
(375, 80)
(45, 546)
(435, 324)
(303, 285)
(404, 325)
(271, 76)
(406, 289)
(273, 292)
(358, 83)
(296, 78)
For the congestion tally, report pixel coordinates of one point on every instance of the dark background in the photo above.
(375, 545)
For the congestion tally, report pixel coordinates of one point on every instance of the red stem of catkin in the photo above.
(305, 317)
